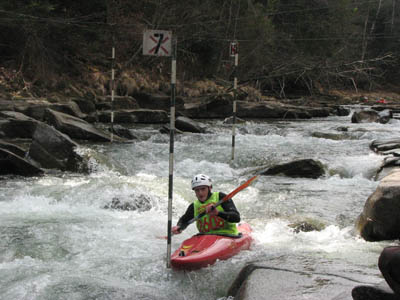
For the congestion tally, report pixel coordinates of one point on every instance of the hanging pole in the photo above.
(171, 150)
(234, 53)
(112, 89)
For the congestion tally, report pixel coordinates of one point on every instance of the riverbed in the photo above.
(59, 241)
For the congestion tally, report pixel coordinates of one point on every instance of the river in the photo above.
(57, 241)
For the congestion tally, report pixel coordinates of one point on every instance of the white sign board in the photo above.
(157, 42)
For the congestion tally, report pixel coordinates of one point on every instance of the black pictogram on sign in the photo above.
(157, 42)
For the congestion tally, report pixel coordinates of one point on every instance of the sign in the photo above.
(234, 48)
(157, 42)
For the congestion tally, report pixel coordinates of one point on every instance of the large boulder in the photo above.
(380, 218)
(187, 125)
(307, 168)
(369, 115)
(55, 150)
(77, 128)
(263, 282)
(374, 292)
(16, 125)
(11, 163)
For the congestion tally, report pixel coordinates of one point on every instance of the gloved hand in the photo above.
(211, 210)
(176, 230)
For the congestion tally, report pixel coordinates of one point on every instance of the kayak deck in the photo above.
(202, 250)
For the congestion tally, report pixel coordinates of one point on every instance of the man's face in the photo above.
(202, 192)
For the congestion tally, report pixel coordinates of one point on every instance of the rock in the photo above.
(385, 145)
(16, 125)
(365, 116)
(187, 125)
(55, 150)
(262, 282)
(307, 226)
(122, 132)
(119, 103)
(165, 129)
(77, 128)
(331, 136)
(85, 105)
(369, 292)
(342, 111)
(307, 168)
(158, 101)
(136, 202)
(16, 165)
(380, 218)
(13, 149)
(135, 116)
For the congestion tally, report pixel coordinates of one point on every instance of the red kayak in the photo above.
(202, 250)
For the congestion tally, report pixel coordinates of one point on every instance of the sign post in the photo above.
(159, 43)
(234, 52)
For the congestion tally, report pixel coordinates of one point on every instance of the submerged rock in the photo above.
(307, 168)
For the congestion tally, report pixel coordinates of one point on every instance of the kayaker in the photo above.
(217, 220)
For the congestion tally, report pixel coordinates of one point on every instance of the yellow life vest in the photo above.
(212, 224)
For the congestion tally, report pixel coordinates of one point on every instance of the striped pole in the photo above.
(112, 91)
(171, 151)
(234, 104)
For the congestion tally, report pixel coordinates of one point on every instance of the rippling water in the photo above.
(57, 240)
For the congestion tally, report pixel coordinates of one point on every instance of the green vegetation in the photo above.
(285, 46)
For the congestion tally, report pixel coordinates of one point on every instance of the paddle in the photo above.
(227, 197)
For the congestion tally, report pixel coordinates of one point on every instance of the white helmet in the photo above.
(201, 179)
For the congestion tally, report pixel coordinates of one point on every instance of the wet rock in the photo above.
(365, 116)
(380, 218)
(378, 292)
(11, 163)
(331, 136)
(85, 105)
(16, 125)
(136, 202)
(307, 168)
(55, 150)
(122, 132)
(342, 111)
(187, 125)
(306, 226)
(17, 150)
(77, 128)
(260, 281)
(385, 145)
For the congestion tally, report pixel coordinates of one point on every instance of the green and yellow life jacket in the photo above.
(212, 224)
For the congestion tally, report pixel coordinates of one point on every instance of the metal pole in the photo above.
(234, 104)
(112, 91)
(171, 150)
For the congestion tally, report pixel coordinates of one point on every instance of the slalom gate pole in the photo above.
(234, 105)
(171, 151)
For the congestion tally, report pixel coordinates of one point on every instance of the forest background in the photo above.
(286, 47)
